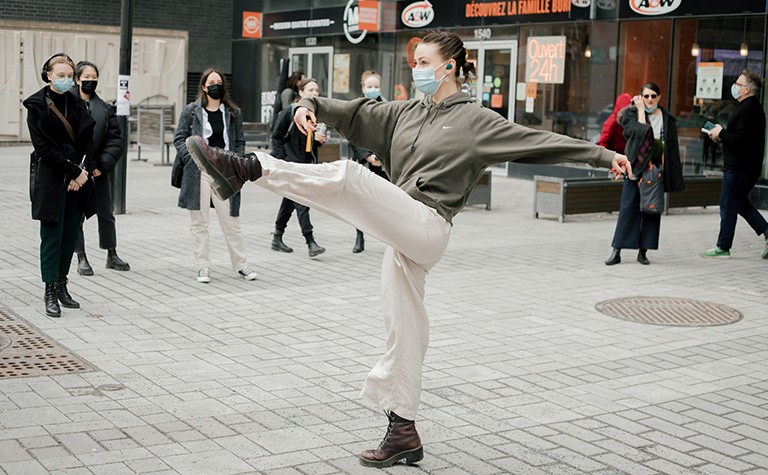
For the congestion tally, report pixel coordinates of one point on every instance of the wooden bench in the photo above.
(559, 197)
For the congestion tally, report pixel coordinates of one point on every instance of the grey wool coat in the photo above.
(191, 123)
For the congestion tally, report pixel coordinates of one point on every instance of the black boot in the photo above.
(401, 442)
(63, 294)
(52, 308)
(314, 248)
(277, 242)
(114, 261)
(83, 266)
(229, 170)
(615, 257)
(359, 242)
(641, 258)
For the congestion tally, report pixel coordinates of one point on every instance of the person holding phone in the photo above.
(62, 132)
(291, 145)
(647, 127)
(744, 149)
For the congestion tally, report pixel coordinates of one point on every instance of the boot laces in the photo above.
(390, 426)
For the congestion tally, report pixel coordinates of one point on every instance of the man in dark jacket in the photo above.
(743, 146)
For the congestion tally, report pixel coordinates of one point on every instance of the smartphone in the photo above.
(707, 127)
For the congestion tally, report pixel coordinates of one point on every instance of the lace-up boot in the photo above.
(229, 170)
(400, 443)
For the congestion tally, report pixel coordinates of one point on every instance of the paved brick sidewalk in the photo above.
(523, 375)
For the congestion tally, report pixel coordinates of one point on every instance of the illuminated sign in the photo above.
(545, 59)
(654, 7)
(251, 25)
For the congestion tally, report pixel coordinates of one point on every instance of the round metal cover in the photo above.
(669, 311)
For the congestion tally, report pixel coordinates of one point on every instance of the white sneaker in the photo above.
(204, 276)
(248, 273)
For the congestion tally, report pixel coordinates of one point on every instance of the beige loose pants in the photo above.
(416, 237)
(230, 226)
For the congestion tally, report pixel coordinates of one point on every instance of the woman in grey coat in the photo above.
(218, 121)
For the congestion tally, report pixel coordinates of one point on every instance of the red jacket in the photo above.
(612, 135)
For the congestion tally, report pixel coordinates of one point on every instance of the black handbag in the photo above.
(177, 171)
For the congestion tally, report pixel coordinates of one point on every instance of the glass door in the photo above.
(316, 63)
(496, 63)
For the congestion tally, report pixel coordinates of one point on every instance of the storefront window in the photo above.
(553, 79)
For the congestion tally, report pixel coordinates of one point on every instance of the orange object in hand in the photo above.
(309, 141)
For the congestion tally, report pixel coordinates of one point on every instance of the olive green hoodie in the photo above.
(437, 152)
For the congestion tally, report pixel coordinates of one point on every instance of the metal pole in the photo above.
(123, 109)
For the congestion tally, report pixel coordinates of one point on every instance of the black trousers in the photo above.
(57, 239)
(286, 210)
(635, 230)
(734, 202)
(104, 213)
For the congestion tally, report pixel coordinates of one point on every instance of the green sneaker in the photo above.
(717, 253)
(765, 249)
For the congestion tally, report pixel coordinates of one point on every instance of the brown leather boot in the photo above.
(229, 170)
(401, 442)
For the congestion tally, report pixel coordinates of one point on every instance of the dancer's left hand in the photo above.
(620, 165)
(305, 119)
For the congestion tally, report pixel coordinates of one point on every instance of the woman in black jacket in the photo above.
(289, 144)
(61, 131)
(107, 148)
(645, 123)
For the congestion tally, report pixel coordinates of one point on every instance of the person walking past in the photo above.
(60, 190)
(743, 149)
(648, 127)
(107, 148)
(290, 144)
(370, 82)
(434, 150)
(218, 121)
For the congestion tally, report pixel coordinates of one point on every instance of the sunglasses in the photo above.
(650, 96)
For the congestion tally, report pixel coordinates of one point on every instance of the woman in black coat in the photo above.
(61, 131)
(107, 148)
(370, 82)
(645, 122)
(289, 144)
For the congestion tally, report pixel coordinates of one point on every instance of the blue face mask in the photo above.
(372, 93)
(651, 110)
(63, 84)
(735, 91)
(425, 81)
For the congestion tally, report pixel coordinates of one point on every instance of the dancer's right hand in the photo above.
(305, 119)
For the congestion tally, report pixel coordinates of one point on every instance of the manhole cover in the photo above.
(669, 311)
(24, 351)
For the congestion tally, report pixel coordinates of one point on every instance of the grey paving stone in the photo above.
(12, 451)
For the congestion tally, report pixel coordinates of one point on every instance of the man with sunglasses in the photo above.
(743, 148)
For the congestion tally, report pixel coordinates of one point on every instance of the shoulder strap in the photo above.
(63, 119)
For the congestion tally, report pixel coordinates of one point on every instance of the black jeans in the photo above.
(286, 210)
(734, 201)
(105, 215)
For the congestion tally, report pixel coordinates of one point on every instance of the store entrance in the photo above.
(316, 63)
(496, 63)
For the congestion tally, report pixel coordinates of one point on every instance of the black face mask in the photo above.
(88, 87)
(216, 91)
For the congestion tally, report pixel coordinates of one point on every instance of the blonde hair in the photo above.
(61, 59)
(367, 74)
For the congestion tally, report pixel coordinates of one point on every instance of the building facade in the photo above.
(549, 64)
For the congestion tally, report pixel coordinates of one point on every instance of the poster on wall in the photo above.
(545, 59)
(341, 73)
(709, 81)
(123, 94)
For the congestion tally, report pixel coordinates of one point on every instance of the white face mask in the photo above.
(424, 79)
(735, 91)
